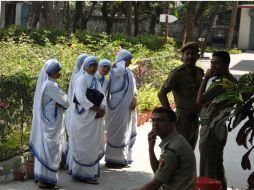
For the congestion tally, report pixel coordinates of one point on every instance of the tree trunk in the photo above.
(129, 18)
(189, 22)
(231, 27)
(43, 15)
(184, 35)
(87, 18)
(152, 22)
(78, 15)
(67, 15)
(209, 31)
(48, 17)
(166, 23)
(109, 27)
(49, 14)
(201, 8)
(108, 19)
(10, 13)
(35, 11)
(136, 22)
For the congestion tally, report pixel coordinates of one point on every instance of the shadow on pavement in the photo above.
(110, 179)
(244, 65)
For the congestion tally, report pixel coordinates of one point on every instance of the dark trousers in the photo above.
(187, 127)
(211, 146)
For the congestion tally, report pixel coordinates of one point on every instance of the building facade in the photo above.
(246, 30)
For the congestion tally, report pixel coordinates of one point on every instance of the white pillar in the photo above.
(244, 30)
(18, 14)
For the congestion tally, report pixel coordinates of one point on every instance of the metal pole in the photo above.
(166, 30)
(166, 21)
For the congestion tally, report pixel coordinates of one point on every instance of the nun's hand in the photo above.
(114, 65)
(100, 113)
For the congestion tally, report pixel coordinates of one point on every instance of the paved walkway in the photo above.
(140, 172)
(111, 179)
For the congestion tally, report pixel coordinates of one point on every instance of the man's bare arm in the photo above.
(153, 160)
(162, 95)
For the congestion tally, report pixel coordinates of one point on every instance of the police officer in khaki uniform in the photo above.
(213, 133)
(176, 168)
(184, 82)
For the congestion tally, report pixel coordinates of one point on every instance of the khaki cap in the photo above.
(190, 45)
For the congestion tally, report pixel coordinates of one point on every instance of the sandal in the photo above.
(91, 181)
(45, 185)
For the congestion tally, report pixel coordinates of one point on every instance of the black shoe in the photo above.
(126, 165)
(91, 181)
(116, 166)
(45, 185)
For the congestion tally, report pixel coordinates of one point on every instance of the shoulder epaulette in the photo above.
(170, 149)
(167, 148)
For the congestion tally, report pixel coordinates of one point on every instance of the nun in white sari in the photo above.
(47, 133)
(86, 127)
(103, 69)
(75, 75)
(121, 115)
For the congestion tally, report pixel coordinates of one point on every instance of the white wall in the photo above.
(18, 14)
(244, 30)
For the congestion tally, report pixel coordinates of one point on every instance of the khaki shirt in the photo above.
(184, 84)
(177, 164)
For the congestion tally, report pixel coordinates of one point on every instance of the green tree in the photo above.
(136, 18)
(128, 18)
(231, 27)
(81, 18)
(189, 26)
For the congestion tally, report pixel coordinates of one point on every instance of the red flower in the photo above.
(3, 105)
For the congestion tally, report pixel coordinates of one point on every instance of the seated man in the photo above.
(176, 168)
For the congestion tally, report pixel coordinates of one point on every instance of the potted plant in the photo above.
(18, 169)
(146, 101)
(30, 167)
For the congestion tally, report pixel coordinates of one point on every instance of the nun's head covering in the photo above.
(89, 61)
(123, 55)
(75, 74)
(53, 66)
(105, 62)
(80, 60)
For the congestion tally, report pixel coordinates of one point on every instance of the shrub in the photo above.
(231, 51)
(147, 98)
(235, 51)
(17, 91)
